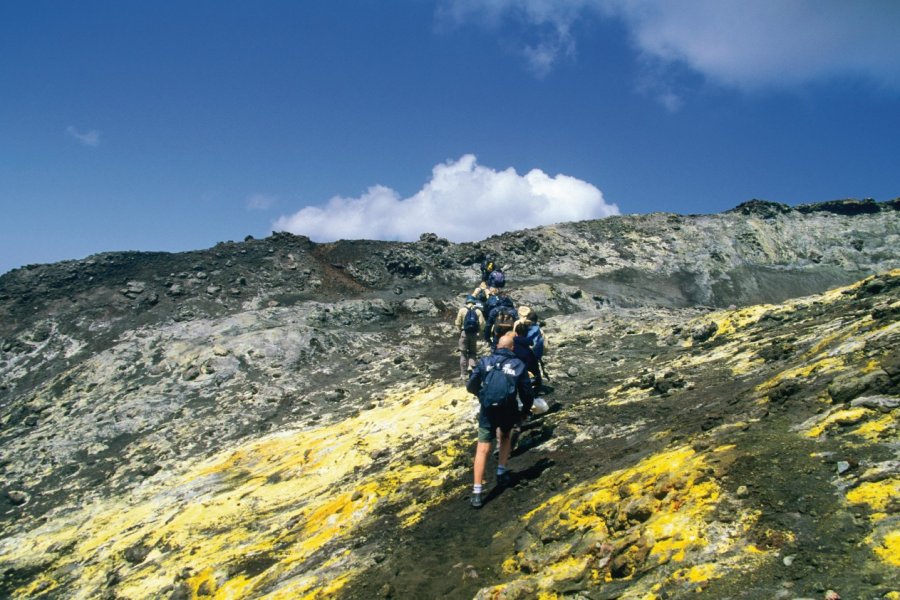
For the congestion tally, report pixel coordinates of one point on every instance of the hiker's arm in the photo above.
(473, 386)
(526, 395)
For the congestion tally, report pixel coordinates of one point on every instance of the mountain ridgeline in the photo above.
(280, 418)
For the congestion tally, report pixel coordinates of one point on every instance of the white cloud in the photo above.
(88, 138)
(748, 45)
(463, 201)
(544, 55)
(260, 202)
(769, 43)
(547, 38)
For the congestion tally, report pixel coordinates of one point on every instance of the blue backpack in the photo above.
(470, 324)
(496, 279)
(536, 340)
(498, 391)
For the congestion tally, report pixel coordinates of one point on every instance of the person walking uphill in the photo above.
(470, 323)
(498, 380)
(500, 317)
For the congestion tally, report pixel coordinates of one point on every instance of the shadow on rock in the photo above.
(533, 435)
(515, 477)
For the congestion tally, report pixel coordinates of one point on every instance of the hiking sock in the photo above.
(501, 470)
(476, 489)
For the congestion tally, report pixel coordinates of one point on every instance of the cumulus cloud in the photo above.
(462, 201)
(746, 45)
(88, 138)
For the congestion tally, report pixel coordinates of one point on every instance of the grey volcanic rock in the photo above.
(682, 337)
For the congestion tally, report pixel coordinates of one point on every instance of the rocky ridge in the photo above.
(279, 418)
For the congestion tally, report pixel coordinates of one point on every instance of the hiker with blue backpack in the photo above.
(524, 351)
(505, 397)
(528, 333)
(496, 279)
(470, 323)
(481, 296)
(501, 316)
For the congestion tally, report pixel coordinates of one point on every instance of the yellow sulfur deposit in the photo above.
(254, 522)
(883, 428)
(733, 321)
(877, 495)
(838, 418)
(889, 549)
(653, 514)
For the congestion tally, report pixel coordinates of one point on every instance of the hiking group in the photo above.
(508, 379)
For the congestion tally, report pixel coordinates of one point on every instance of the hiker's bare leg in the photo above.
(505, 447)
(481, 456)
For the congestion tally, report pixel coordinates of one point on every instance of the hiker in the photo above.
(488, 265)
(536, 341)
(470, 323)
(496, 278)
(523, 350)
(501, 316)
(493, 297)
(481, 295)
(498, 380)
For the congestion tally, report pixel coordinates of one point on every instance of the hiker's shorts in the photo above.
(487, 428)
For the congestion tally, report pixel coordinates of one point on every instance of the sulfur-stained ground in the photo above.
(282, 419)
(745, 453)
(728, 468)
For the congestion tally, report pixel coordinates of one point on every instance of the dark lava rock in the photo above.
(703, 332)
(17, 497)
(761, 208)
(137, 553)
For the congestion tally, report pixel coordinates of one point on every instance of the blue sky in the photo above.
(139, 125)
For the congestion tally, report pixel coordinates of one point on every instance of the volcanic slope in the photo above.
(311, 440)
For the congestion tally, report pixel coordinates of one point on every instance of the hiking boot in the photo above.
(476, 501)
(504, 478)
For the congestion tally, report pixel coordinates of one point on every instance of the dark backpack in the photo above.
(536, 340)
(496, 279)
(470, 324)
(506, 318)
(498, 391)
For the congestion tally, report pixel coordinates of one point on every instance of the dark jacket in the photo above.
(512, 366)
(524, 353)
